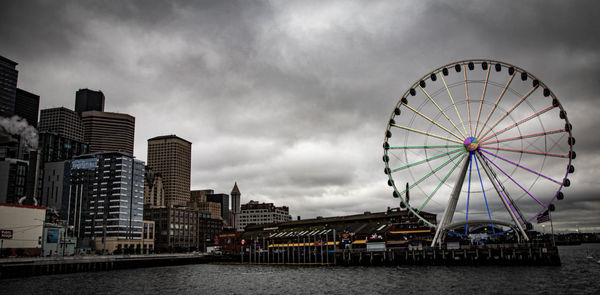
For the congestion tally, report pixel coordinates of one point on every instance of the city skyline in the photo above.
(291, 99)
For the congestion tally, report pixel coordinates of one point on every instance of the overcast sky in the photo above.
(291, 99)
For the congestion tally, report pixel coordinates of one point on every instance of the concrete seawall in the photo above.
(23, 267)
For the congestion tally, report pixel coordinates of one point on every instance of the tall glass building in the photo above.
(106, 196)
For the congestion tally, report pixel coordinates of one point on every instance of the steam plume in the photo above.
(19, 126)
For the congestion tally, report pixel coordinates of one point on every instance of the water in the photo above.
(578, 274)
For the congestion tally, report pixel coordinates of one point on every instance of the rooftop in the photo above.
(172, 136)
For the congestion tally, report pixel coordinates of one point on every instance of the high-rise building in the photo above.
(13, 177)
(262, 213)
(108, 132)
(55, 184)
(235, 206)
(198, 198)
(8, 86)
(106, 196)
(63, 122)
(171, 157)
(27, 106)
(88, 100)
(223, 199)
(53, 150)
(54, 147)
(154, 191)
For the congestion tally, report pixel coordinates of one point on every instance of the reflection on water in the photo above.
(578, 274)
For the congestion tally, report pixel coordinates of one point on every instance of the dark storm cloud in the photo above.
(290, 99)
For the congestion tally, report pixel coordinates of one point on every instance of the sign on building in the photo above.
(6, 234)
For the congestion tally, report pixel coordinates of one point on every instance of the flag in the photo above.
(543, 217)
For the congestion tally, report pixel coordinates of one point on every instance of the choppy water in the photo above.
(577, 275)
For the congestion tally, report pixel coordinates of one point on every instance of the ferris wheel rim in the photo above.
(402, 102)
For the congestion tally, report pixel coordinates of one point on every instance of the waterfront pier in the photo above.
(501, 254)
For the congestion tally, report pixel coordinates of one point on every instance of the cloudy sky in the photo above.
(291, 99)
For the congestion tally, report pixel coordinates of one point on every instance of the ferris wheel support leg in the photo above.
(500, 192)
(449, 212)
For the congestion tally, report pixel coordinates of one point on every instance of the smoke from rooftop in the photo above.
(19, 126)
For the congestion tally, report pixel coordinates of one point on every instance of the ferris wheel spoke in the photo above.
(455, 108)
(496, 103)
(426, 133)
(525, 152)
(430, 120)
(424, 146)
(503, 194)
(521, 166)
(512, 179)
(440, 109)
(468, 105)
(484, 196)
(426, 160)
(537, 114)
(511, 109)
(525, 136)
(439, 185)
(487, 76)
(432, 172)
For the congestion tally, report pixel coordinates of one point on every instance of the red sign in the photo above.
(6, 234)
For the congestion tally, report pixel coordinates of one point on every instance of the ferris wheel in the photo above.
(485, 142)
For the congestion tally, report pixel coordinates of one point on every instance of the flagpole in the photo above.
(552, 228)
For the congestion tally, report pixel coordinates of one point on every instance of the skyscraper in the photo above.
(108, 132)
(89, 100)
(8, 86)
(62, 122)
(27, 106)
(103, 203)
(235, 206)
(171, 157)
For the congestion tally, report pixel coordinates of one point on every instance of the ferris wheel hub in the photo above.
(471, 144)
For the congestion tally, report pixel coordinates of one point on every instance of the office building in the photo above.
(198, 198)
(53, 150)
(63, 122)
(8, 86)
(13, 180)
(116, 245)
(222, 199)
(262, 213)
(183, 229)
(154, 191)
(171, 157)
(88, 100)
(54, 147)
(108, 132)
(55, 184)
(27, 106)
(106, 196)
(235, 206)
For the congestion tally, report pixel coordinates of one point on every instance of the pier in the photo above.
(501, 254)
